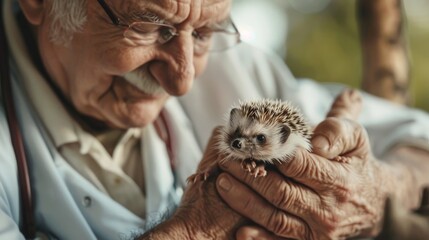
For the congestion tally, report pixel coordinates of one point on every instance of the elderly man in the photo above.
(109, 145)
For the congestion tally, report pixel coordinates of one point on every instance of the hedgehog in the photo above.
(260, 132)
(264, 131)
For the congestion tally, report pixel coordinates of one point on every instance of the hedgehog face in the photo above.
(254, 140)
(248, 138)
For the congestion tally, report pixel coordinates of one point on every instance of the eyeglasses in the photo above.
(217, 38)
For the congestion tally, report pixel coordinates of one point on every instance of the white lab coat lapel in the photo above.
(61, 191)
(159, 178)
(186, 149)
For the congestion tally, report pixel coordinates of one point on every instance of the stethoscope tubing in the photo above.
(28, 227)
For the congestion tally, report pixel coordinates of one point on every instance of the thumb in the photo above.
(346, 105)
(211, 153)
(338, 136)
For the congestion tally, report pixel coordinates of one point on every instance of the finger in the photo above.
(287, 195)
(310, 170)
(347, 105)
(255, 232)
(273, 186)
(337, 137)
(214, 138)
(249, 204)
(313, 171)
(211, 153)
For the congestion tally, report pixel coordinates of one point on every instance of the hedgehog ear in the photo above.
(234, 116)
(284, 133)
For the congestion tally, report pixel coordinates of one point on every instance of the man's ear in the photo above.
(34, 10)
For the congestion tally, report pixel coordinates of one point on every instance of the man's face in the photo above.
(90, 70)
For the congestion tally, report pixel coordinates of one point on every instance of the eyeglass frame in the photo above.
(117, 22)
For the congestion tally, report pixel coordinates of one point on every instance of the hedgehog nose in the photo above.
(236, 144)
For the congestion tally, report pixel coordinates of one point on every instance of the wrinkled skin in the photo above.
(314, 196)
(88, 71)
(202, 203)
(336, 192)
(309, 197)
(88, 74)
(202, 214)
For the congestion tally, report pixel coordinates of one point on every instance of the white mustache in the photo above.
(144, 81)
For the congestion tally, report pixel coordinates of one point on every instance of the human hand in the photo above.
(313, 196)
(202, 211)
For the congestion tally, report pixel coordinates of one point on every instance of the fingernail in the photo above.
(224, 183)
(321, 142)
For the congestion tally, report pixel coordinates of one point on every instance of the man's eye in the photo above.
(166, 33)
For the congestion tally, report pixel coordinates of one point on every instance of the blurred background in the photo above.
(319, 39)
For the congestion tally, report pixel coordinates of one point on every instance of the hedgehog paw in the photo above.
(197, 177)
(259, 171)
(248, 165)
(254, 167)
(342, 159)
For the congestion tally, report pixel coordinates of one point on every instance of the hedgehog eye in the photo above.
(261, 138)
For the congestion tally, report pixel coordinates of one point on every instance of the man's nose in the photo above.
(174, 69)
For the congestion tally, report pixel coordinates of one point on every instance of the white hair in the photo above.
(68, 17)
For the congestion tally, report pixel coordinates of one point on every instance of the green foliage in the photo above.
(419, 53)
(325, 46)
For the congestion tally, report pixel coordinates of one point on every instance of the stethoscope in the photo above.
(28, 227)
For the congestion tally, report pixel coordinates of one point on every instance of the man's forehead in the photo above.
(179, 10)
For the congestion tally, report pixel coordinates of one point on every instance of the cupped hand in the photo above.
(202, 211)
(335, 192)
